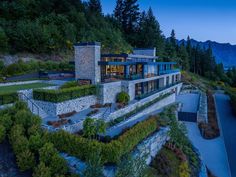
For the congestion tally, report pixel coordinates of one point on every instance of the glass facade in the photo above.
(146, 87)
(118, 67)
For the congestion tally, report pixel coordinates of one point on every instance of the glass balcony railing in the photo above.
(139, 97)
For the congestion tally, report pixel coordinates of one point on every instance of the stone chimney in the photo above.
(87, 56)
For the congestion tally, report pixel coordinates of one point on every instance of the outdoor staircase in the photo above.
(32, 105)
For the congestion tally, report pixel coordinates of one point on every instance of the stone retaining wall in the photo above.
(150, 147)
(77, 105)
(202, 111)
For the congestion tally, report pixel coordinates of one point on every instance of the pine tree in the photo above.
(95, 6)
(130, 16)
(183, 57)
(149, 33)
(118, 12)
(173, 38)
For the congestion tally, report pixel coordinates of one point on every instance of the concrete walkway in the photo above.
(228, 126)
(213, 152)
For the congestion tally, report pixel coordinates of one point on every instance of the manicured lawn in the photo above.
(14, 88)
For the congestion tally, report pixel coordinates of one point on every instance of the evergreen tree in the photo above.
(173, 39)
(183, 57)
(189, 47)
(95, 6)
(118, 12)
(130, 18)
(149, 33)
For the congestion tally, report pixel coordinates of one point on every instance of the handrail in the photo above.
(32, 103)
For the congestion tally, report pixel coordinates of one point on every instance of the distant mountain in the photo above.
(224, 52)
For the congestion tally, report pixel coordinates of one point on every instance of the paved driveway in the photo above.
(228, 125)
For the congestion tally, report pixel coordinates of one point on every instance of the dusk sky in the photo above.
(201, 19)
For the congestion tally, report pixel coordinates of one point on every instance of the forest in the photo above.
(53, 26)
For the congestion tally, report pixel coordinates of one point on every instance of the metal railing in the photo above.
(32, 106)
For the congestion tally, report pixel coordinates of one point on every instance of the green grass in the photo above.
(15, 88)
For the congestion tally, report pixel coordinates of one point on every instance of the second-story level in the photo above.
(143, 63)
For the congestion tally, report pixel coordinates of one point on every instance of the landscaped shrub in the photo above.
(184, 170)
(28, 142)
(7, 98)
(166, 163)
(123, 98)
(110, 152)
(61, 95)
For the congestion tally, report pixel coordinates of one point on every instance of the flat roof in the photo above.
(124, 55)
(142, 56)
(88, 44)
(133, 63)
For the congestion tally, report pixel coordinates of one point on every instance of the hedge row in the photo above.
(7, 98)
(61, 95)
(110, 152)
(137, 110)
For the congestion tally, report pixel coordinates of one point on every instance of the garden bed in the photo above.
(211, 129)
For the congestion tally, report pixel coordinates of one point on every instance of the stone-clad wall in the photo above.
(77, 105)
(151, 146)
(109, 92)
(86, 62)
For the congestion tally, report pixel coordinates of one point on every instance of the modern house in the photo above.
(140, 74)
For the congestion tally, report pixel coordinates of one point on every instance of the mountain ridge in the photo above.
(224, 52)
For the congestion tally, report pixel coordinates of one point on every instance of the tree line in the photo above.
(52, 26)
